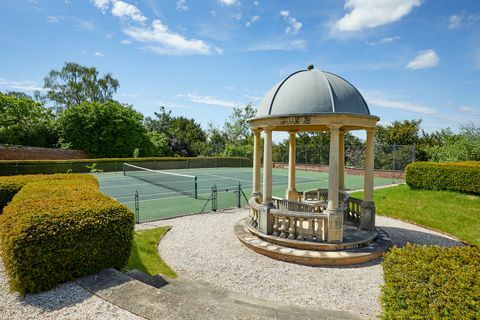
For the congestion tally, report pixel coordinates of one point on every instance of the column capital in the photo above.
(292, 132)
(335, 127)
(257, 131)
(370, 130)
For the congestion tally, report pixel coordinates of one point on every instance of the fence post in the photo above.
(239, 192)
(413, 153)
(137, 207)
(214, 198)
(196, 187)
(394, 155)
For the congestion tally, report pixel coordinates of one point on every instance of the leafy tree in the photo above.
(216, 141)
(160, 142)
(399, 132)
(75, 84)
(25, 122)
(236, 126)
(464, 146)
(107, 129)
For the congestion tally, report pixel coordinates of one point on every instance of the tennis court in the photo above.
(171, 193)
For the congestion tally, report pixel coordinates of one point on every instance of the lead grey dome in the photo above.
(312, 92)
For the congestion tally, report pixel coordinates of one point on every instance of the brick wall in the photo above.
(8, 152)
(348, 170)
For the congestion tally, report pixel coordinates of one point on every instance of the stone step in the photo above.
(372, 251)
(153, 298)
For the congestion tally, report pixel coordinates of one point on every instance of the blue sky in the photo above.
(411, 59)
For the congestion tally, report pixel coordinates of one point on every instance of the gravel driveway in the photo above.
(205, 247)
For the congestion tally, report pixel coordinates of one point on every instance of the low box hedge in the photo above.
(453, 176)
(431, 282)
(59, 227)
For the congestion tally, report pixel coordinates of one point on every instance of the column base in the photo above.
(265, 219)
(335, 226)
(367, 217)
(292, 195)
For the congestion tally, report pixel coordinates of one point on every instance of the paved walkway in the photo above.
(157, 298)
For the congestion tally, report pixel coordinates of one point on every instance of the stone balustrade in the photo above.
(306, 220)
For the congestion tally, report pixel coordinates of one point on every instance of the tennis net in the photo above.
(182, 183)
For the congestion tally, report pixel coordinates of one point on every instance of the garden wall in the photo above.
(390, 174)
(9, 152)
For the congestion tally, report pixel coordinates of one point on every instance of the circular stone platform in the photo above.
(357, 250)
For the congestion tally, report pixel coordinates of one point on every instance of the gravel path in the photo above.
(67, 301)
(204, 247)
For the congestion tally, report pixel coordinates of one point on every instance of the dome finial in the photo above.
(310, 67)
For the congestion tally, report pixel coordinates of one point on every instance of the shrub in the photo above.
(60, 227)
(454, 176)
(431, 282)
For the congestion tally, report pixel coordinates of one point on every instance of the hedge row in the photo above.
(115, 164)
(453, 176)
(432, 282)
(59, 227)
(100, 160)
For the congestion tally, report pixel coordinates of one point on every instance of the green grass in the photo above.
(144, 255)
(454, 213)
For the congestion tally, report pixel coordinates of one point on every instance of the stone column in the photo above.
(335, 218)
(367, 218)
(265, 220)
(256, 162)
(291, 193)
(341, 163)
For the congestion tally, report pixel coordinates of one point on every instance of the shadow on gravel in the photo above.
(400, 237)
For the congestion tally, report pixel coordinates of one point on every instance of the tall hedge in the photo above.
(59, 227)
(453, 176)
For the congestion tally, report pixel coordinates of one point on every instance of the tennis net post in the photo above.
(196, 187)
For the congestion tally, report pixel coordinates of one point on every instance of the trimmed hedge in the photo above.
(17, 167)
(431, 282)
(60, 227)
(453, 176)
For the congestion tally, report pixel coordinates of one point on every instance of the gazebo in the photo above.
(319, 226)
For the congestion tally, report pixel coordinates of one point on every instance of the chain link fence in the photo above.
(387, 157)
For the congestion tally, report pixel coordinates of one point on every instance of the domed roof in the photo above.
(312, 92)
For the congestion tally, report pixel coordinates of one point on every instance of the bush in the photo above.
(431, 282)
(60, 227)
(454, 176)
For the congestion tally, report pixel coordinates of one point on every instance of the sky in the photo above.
(410, 59)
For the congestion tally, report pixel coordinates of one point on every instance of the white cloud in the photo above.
(98, 54)
(400, 105)
(470, 110)
(182, 5)
(54, 19)
(228, 2)
(455, 21)
(373, 13)
(125, 10)
(211, 101)
(424, 59)
(294, 26)
(256, 3)
(384, 41)
(102, 4)
(252, 20)
(126, 42)
(163, 41)
(275, 45)
(20, 85)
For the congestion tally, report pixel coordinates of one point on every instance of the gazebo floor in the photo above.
(372, 247)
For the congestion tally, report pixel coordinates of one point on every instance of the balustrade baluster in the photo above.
(292, 229)
(275, 226)
(285, 226)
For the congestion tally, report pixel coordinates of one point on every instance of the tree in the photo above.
(399, 132)
(236, 126)
(75, 84)
(26, 122)
(464, 146)
(107, 129)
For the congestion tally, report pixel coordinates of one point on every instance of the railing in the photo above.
(352, 212)
(306, 221)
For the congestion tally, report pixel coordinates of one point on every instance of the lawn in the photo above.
(144, 255)
(454, 213)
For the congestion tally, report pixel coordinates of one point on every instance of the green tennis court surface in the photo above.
(166, 196)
